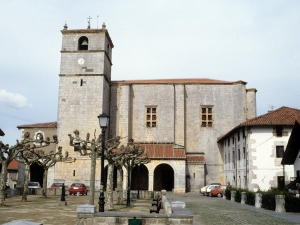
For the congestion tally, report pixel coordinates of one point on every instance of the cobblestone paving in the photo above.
(208, 210)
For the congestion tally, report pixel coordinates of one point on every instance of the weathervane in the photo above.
(89, 22)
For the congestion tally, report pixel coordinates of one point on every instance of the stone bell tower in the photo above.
(84, 87)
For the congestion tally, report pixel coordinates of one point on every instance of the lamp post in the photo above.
(138, 194)
(128, 180)
(103, 121)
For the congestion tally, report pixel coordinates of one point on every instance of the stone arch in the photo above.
(83, 43)
(36, 173)
(163, 177)
(140, 178)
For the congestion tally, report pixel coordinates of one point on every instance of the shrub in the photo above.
(228, 192)
(250, 198)
(292, 204)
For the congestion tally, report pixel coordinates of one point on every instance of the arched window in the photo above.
(83, 43)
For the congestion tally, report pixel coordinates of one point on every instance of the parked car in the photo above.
(203, 190)
(78, 187)
(56, 185)
(211, 187)
(219, 191)
(32, 184)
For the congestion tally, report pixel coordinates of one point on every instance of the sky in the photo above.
(254, 41)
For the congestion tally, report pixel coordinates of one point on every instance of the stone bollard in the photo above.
(280, 203)
(232, 196)
(243, 198)
(167, 207)
(258, 200)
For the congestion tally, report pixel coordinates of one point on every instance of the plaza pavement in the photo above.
(206, 210)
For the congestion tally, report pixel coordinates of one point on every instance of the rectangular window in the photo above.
(279, 131)
(206, 116)
(244, 152)
(239, 155)
(279, 151)
(151, 117)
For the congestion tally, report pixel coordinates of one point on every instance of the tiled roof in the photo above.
(164, 151)
(283, 116)
(195, 158)
(177, 81)
(13, 165)
(40, 125)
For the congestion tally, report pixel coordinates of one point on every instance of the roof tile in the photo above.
(41, 125)
(164, 151)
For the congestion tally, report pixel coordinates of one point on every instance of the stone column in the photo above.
(258, 200)
(232, 195)
(280, 203)
(150, 187)
(243, 198)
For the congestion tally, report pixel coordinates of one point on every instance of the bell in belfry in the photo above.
(84, 42)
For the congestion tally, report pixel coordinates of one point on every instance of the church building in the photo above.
(178, 121)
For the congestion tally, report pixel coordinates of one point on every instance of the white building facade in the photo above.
(253, 151)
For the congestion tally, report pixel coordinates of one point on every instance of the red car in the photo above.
(219, 191)
(78, 187)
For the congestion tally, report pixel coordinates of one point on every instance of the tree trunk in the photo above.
(92, 177)
(44, 191)
(119, 186)
(109, 187)
(24, 195)
(3, 177)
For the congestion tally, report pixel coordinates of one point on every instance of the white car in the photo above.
(32, 184)
(203, 190)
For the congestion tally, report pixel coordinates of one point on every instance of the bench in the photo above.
(156, 204)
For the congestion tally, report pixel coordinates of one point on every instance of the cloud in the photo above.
(13, 100)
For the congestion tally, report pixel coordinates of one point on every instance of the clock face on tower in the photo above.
(80, 61)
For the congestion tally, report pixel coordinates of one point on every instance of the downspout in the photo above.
(246, 152)
(174, 114)
(236, 165)
(283, 168)
(204, 174)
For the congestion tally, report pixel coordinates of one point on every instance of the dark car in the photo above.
(56, 185)
(78, 187)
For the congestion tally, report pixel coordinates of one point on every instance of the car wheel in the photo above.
(70, 194)
(219, 195)
(209, 194)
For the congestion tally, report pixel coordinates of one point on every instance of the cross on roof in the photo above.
(89, 22)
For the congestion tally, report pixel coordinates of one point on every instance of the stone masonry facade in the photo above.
(86, 90)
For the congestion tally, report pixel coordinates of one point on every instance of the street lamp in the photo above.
(128, 180)
(103, 121)
(138, 194)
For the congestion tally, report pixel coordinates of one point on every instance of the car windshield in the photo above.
(32, 184)
(56, 185)
(76, 185)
